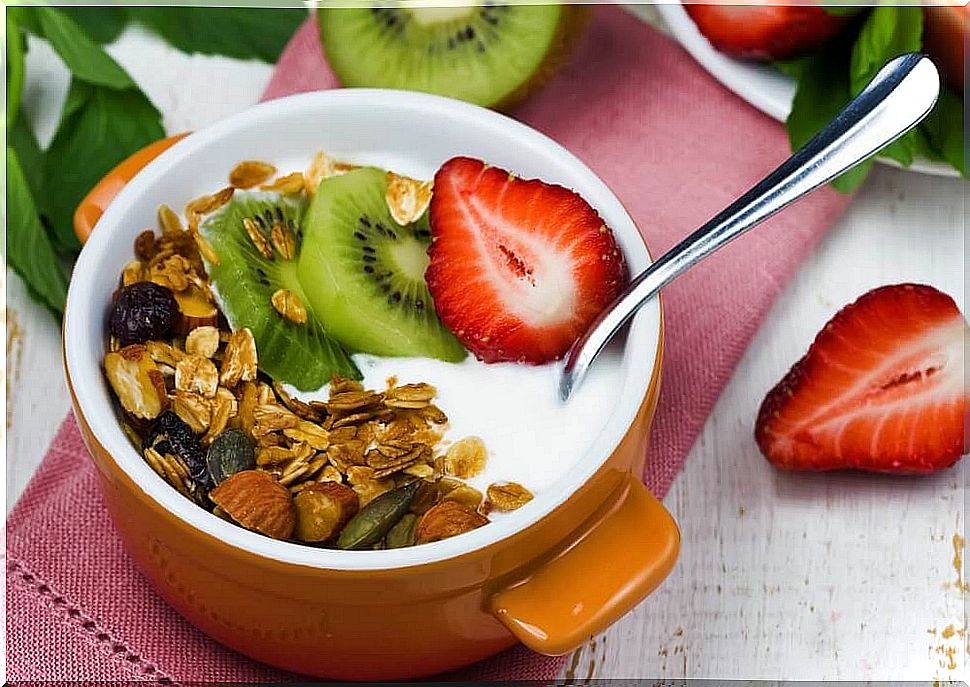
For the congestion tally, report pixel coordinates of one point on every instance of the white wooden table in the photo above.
(811, 577)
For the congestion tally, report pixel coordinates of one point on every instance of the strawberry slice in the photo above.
(519, 268)
(882, 388)
(765, 31)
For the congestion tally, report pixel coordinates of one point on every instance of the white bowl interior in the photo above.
(408, 132)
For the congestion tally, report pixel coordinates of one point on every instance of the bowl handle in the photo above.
(98, 198)
(618, 562)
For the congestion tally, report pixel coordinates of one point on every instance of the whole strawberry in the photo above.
(882, 389)
(775, 31)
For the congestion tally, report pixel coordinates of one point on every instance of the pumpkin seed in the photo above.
(402, 534)
(229, 453)
(376, 518)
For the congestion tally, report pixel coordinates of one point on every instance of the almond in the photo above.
(323, 509)
(196, 309)
(447, 519)
(136, 381)
(258, 502)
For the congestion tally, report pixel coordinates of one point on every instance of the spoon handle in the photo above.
(896, 100)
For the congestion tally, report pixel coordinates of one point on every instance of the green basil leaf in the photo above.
(83, 57)
(31, 158)
(944, 131)
(99, 129)
(102, 24)
(245, 33)
(851, 180)
(924, 146)
(843, 10)
(29, 250)
(26, 18)
(794, 67)
(15, 70)
(887, 33)
(904, 149)
(823, 90)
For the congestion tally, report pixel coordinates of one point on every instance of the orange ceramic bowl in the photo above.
(551, 575)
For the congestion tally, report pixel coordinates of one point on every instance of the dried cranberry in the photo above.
(143, 311)
(171, 435)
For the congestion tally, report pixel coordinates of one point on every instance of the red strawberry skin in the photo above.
(881, 389)
(765, 31)
(946, 33)
(518, 268)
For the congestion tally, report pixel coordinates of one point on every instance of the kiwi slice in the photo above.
(491, 54)
(364, 273)
(246, 279)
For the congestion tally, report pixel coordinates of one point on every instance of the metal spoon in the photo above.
(896, 100)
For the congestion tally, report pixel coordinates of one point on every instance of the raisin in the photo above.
(145, 247)
(171, 435)
(143, 311)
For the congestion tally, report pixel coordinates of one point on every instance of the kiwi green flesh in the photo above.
(304, 355)
(364, 273)
(482, 58)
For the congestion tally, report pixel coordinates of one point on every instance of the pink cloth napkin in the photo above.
(672, 144)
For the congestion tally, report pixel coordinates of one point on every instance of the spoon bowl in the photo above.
(898, 98)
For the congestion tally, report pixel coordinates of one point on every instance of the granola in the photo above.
(236, 443)
(249, 173)
(289, 184)
(288, 305)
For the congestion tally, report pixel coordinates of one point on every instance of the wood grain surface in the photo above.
(809, 577)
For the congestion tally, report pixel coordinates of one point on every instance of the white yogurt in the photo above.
(531, 436)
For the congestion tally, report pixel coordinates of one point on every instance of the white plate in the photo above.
(761, 85)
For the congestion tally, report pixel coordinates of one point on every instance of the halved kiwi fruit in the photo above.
(493, 54)
(364, 273)
(251, 269)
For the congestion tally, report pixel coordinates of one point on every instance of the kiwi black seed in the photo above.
(364, 272)
(250, 271)
(493, 54)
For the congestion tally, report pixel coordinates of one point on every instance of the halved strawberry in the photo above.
(519, 268)
(882, 388)
(769, 31)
